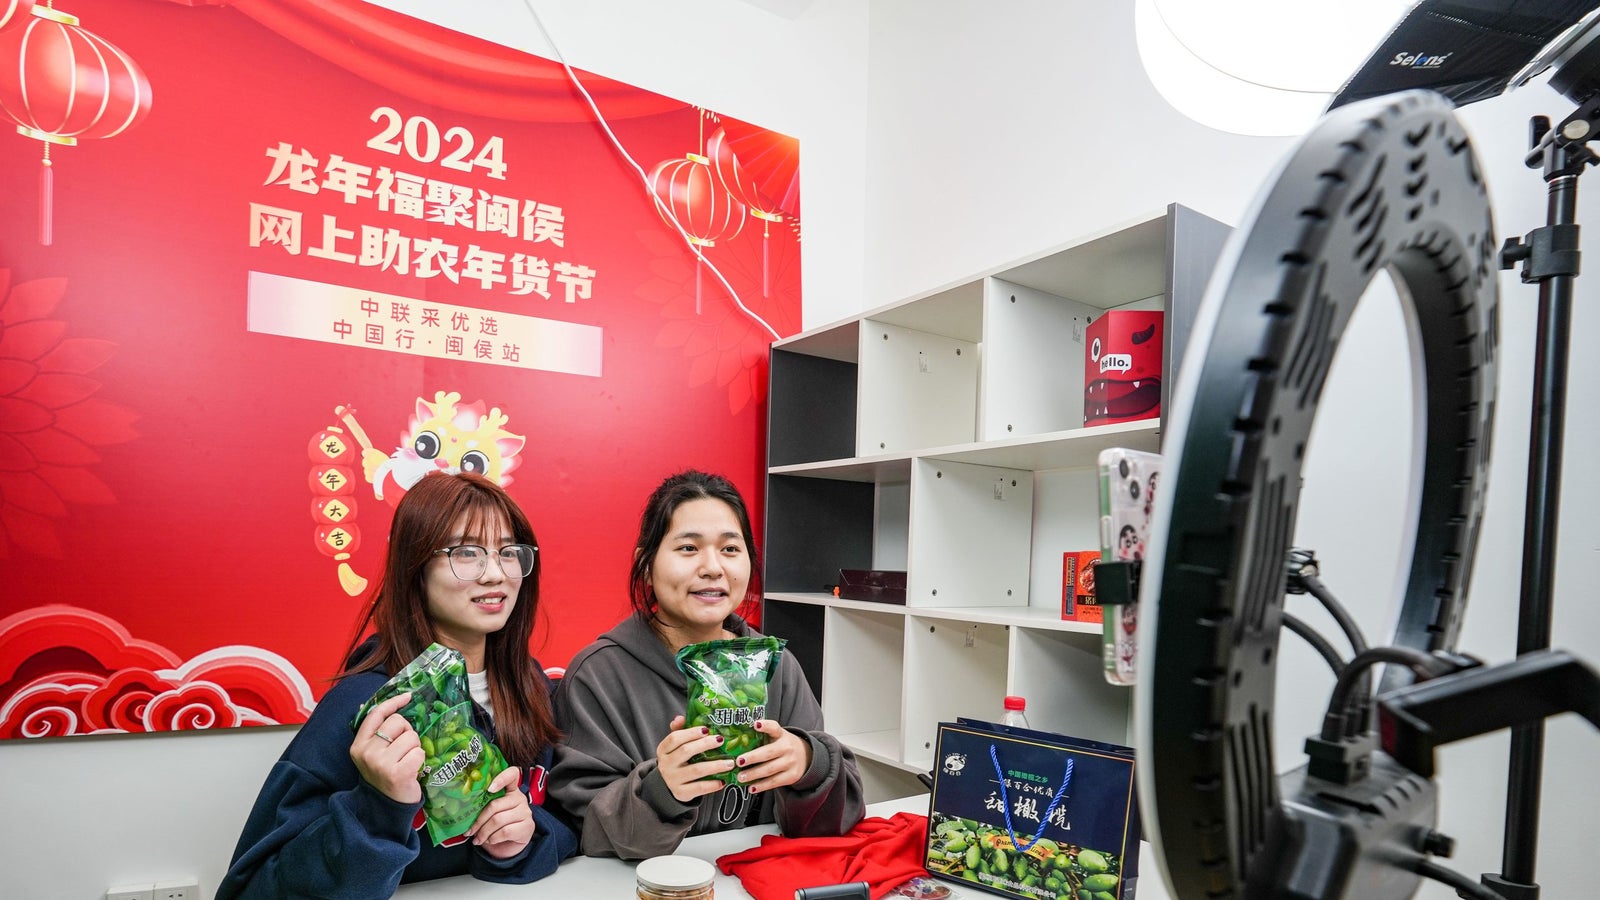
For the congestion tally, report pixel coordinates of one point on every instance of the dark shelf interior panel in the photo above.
(815, 527)
(801, 625)
(811, 409)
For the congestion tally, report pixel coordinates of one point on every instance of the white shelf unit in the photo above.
(943, 435)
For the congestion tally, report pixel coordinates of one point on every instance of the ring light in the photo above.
(1391, 184)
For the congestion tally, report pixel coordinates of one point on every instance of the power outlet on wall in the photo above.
(131, 892)
(176, 890)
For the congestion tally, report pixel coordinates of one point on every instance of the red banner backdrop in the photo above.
(264, 263)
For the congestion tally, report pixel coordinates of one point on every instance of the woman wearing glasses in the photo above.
(340, 813)
(625, 768)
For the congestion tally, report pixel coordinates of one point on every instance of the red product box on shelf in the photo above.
(1122, 368)
(1078, 602)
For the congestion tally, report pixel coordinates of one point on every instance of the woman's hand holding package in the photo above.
(778, 763)
(388, 753)
(506, 825)
(688, 780)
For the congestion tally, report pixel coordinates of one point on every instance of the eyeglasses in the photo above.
(469, 561)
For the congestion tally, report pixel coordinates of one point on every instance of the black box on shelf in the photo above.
(875, 585)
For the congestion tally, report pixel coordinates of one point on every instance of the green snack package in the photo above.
(461, 761)
(728, 692)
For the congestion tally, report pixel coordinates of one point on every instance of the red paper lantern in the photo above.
(330, 445)
(337, 541)
(706, 211)
(333, 510)
(772, 161)
(733, 178)
(13, 11)
(329, 481)
(60, 82)
(687, 189)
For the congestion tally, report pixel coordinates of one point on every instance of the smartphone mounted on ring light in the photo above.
(1128, 480)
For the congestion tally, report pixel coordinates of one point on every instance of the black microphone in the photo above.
(855, 890)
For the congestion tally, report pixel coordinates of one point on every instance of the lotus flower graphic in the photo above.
(51, 424)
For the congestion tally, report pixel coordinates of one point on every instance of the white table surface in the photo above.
(612, 879)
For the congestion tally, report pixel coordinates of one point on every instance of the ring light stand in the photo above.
(1549, 258)
(1391, 184)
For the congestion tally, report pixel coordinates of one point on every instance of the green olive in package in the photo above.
(461, 760)
(728, 692)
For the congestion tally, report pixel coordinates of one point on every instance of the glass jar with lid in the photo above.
(675, 878)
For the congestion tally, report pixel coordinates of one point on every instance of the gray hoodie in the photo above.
(614, 705)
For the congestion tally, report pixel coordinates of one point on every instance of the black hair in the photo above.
(672, 493)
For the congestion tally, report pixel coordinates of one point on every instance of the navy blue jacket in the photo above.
(319, 830)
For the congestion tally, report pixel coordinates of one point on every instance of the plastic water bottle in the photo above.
(1015, 714)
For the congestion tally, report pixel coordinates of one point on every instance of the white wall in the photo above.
(999, 129)
(981, 131)
(82, 814)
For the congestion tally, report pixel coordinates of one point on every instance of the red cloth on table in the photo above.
(881, 852)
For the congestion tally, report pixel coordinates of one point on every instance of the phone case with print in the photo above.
(1128, 481)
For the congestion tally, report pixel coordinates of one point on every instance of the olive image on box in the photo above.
(728, 692)
(973, 851)
(460, 760)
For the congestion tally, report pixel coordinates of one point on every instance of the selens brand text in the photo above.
(1420, 60)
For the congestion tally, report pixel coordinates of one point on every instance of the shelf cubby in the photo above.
(1059, 673)
(1036, 385)
(952, 669)
(918, 389)
(811, 414)
(862, 692)
(815, 527)
(970, 535)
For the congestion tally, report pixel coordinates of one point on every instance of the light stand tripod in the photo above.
(1540, 682)
(1549, 257)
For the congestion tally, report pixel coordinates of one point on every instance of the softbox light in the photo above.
(1466, 50)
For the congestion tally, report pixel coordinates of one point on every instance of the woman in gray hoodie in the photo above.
(624, 771)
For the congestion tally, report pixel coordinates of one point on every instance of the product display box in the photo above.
(1078, 601)
(1122, 367)
(876, 585)
(1032, 815)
